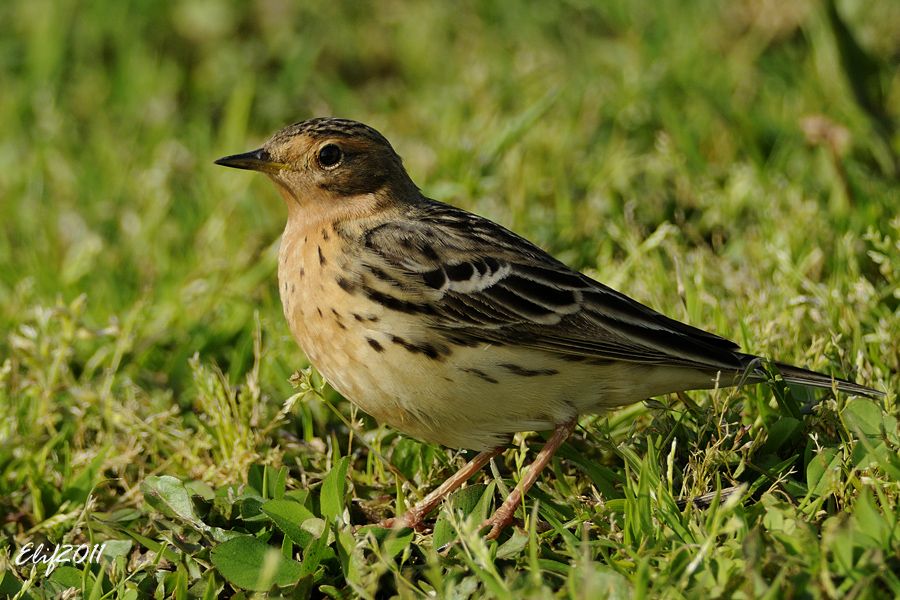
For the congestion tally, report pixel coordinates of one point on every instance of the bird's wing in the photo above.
(478, 282)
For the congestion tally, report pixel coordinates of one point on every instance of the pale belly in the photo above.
(390, 365)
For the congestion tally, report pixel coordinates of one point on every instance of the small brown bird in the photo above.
(454, 329)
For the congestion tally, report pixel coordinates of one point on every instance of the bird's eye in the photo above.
(329, 156)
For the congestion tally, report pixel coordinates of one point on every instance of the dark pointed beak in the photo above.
(255, 160)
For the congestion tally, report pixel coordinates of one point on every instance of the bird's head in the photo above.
(327, 162)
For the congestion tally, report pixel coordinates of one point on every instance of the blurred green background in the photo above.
(734, 164)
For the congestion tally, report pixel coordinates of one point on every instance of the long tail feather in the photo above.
(803, 376)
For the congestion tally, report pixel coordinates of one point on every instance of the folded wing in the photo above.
(478, 282)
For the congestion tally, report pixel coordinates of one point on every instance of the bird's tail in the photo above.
(801, 376)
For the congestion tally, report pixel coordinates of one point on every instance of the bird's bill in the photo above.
(255, 160)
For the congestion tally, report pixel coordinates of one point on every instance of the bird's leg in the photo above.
(503, 516)
(414, 516)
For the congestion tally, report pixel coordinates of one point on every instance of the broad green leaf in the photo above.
(168, 495)
(201, 489)
(181, 583)
(9, 585)
(251, 508)
(289, 517)
(298, 496)
(876, 431)
(464, 501)
(396, 544)
(331, 500)
(313, 553)
(346, 552)
(250, 564)
(392, 541)
(256, 477)
(211, 589)
(407, 457)
(276, 479)
(513, 546)
(871, 524)
(822, 471)
(780, 432)
(114, 548)
(863, 417)
(843, 546)
(67, 576)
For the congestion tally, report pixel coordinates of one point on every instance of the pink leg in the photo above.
(414, 516)
(504, 515)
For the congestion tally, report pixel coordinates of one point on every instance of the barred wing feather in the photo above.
(479, 282)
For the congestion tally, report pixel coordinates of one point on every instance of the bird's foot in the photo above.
(411, 519)
(500, 520)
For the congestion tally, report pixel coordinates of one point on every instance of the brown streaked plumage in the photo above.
(454, 329)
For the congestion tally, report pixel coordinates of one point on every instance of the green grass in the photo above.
(732, 164)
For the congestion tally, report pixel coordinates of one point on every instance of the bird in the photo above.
(453, 329)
